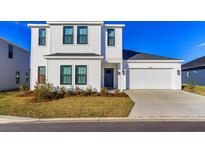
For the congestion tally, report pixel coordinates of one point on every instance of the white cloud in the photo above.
(201, 45)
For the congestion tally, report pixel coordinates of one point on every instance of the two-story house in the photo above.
(90, 53)
(14, 65)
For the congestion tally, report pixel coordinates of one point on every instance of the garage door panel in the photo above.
(150, 78)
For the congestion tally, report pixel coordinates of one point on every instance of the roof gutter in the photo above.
(37, 25)
(114, 25)
(73, 57)
(75, 22)
(154, 61)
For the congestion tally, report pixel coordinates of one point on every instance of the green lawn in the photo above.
(3, 94)
(12, 104)
(197, 90)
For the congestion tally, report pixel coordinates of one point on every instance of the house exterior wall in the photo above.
(97, 43)
(8, 67)
(93, 72)
(93, 46)
(112, 53)
(155, 65)
(197, 75)
(37, 54)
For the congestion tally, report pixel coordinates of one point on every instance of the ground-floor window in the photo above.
(41, 74)
(27, 77)
(81, 74)
(17, 77)
(66, 74)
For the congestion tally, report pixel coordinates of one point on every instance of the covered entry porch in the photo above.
(113, 76)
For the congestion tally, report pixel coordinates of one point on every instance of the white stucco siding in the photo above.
(113, 53)
(37, 54)
(8, 67)
(198, 76)
(93, 72)
(93, 46)
(158, 74)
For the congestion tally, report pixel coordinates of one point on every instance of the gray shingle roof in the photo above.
(73, 54)
(127, 55)
(134, 55)
(195, 64)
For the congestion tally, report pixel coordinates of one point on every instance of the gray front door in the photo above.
(108, 76)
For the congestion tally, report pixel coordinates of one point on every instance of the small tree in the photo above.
(192, 85)
(24, 88)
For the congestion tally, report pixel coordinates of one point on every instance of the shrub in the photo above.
(122, 94)
(24, 88)
(59, 92)
(44, 91)
(78, 90)
(62, 92)
(104, 91)
(70, 91)
(94, 90)
(183, 86)
(117, 91)
(24, 91)
(88, 90)
(191, 85)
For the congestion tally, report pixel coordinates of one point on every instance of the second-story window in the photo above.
(68, 35)
(10, 51)
(82, 37)
(42, 37)
(111, 37)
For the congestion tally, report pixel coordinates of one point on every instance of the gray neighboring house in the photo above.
(14, 65)
(194, 71)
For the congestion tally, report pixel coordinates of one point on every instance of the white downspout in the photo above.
(121, 73)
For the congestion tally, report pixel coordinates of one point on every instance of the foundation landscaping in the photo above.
(193, 88)
(47, 101)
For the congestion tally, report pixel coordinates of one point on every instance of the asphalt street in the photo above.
(105, 127)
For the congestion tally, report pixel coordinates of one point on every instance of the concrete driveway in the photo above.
(166, 104)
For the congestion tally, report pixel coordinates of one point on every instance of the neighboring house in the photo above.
(14, 65)
(194, 71)
(90, 53)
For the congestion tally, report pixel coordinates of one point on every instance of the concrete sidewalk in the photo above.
(14, 119)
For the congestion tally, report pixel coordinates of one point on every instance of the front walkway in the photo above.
(166, 104)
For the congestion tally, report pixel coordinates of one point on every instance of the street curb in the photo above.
(109, 119)
(118, 119)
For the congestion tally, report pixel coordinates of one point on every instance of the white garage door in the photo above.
(150, 78)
